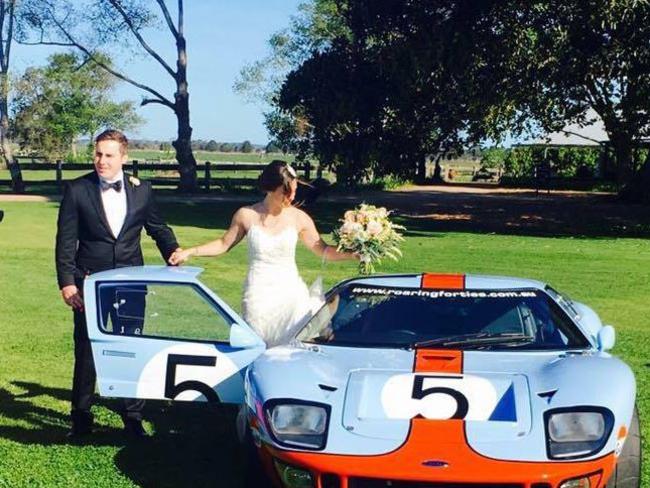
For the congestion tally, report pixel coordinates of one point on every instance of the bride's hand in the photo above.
(180, 256)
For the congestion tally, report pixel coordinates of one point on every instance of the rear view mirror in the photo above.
(606, 338)
(242, 337)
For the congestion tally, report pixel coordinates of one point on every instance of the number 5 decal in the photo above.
(462, 405)
(172, 390)
(438, 397)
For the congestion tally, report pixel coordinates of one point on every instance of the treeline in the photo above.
(205, 145)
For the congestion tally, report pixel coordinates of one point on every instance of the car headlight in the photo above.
(577, 432)
(298, 424)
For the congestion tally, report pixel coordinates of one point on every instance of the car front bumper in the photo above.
(428, 460)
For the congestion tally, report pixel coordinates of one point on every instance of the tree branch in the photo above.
(165, 102)
(168, 18)
(143, 43)
(582, 136)
(47, 43)
(180, 17)
(10, 35)
(2, 29)
(115, 73)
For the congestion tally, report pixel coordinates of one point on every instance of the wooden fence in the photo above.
(205, 172)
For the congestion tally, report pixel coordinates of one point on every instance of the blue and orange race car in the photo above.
(407, 381)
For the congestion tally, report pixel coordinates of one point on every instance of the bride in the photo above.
(275, 297)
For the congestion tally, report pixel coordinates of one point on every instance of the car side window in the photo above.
(169, 310)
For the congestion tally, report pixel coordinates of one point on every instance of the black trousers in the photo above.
(84, 377)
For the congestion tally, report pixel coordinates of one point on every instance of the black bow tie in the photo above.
(117, 186)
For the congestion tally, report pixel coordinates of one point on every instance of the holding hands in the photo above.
(180, 256)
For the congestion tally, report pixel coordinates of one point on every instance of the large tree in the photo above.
(93, 24)
(392, 91)
(54, 104)
(8, 25)
(559, 58)
(413, 78)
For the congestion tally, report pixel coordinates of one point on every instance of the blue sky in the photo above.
(222, 36)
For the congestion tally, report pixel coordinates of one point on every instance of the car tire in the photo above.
(255, 474)
(627, 473)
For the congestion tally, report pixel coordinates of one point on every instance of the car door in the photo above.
(159, 333)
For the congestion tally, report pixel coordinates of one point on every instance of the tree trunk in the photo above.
(629, 187)
(437, 171)
(422, 170)
(623, 151)
(183, 144)
(183, 147)
(17, 184)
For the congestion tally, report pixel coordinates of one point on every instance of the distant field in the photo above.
(163, 156)
(213, 157)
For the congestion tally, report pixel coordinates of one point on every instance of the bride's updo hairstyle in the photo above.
(277, 174)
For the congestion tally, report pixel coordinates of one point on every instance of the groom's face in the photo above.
(109, 159)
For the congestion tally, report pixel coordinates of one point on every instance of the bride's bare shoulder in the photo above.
(301, 217)
(246, 214)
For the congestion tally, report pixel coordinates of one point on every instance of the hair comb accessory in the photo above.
(292, 171)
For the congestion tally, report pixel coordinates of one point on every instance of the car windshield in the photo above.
(565, 302)
(378, 316)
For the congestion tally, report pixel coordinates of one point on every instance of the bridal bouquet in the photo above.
(368, 231)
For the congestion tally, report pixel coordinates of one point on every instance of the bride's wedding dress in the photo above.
(276, 300)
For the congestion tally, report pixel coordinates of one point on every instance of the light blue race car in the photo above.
(410, 381)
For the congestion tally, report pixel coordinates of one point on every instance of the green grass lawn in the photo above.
(194, 445)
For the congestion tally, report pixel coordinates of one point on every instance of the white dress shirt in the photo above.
(115, 205)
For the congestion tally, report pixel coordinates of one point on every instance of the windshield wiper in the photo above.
(475, 339)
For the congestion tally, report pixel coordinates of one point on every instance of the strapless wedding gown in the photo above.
(276, 300)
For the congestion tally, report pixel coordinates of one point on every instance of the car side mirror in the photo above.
(244, 338)
(606, 338)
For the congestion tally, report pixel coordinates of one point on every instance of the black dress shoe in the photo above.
(134, 428)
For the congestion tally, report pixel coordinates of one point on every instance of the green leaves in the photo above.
(66, 98)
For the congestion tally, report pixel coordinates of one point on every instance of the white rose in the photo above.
(351, 228)
(361, 236)
(374, 228)
(346, 228)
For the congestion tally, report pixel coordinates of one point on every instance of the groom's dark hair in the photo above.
(114, 135)
(276, 174)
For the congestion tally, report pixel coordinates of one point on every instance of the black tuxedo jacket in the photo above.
(84, 241)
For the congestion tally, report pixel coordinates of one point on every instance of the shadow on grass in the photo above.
(192, 444)
(426, 212)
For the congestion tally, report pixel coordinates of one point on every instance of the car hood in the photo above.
(371, 392)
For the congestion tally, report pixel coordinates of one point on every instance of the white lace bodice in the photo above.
(271, 254)
(276, 299)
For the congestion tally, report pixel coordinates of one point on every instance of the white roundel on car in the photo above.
(438, 396)
(177, 371)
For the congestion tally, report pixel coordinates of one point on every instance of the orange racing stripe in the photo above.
(443, 281)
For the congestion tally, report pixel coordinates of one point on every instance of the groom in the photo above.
(100, 221)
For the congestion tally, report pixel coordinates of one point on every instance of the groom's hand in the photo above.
(180, 256)
(171, 261)
(72, 297)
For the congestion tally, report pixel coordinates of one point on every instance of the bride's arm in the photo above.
(312, 239)
(225, 243)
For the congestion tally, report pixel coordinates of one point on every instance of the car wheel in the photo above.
(627, 473)
(255, 475)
